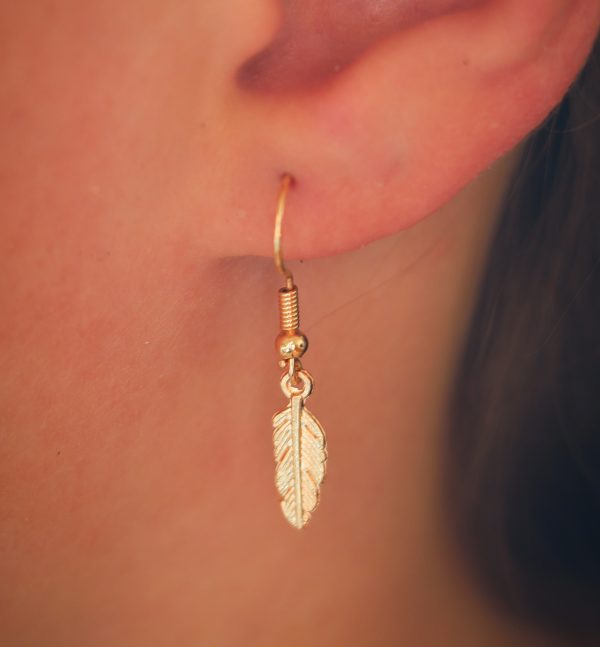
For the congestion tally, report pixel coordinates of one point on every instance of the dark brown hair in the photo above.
(524, 438)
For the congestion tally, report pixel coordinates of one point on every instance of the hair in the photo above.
(524, 433)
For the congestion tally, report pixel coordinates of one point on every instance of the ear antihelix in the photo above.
(318, 40)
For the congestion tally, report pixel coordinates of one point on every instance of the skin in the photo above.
(318, 40)
(138, 179)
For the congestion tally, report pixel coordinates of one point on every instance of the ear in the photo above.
(383, 110)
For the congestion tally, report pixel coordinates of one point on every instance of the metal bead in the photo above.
(291, 344)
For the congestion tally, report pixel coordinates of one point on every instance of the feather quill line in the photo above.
(296, 411)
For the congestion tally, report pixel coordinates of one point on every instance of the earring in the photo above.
(298, 438)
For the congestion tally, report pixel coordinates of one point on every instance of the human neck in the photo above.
(385, 324)
(151, 426)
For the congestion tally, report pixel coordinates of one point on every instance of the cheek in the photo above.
(99, 123)
(99, 267)
(102, 114)
(71, 165)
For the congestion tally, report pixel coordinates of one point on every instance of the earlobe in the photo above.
(412, 118)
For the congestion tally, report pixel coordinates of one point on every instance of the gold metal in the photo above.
(289, 312)
(300, 453)
(299, 440)
(291, 344)
(286, 182)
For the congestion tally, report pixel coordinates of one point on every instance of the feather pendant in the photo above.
(300, 457)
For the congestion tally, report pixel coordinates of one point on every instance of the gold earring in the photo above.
(298, 438)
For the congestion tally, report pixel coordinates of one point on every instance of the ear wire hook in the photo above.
(300, 447)
(286, 181)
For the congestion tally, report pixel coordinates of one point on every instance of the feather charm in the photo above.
(300, 455)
